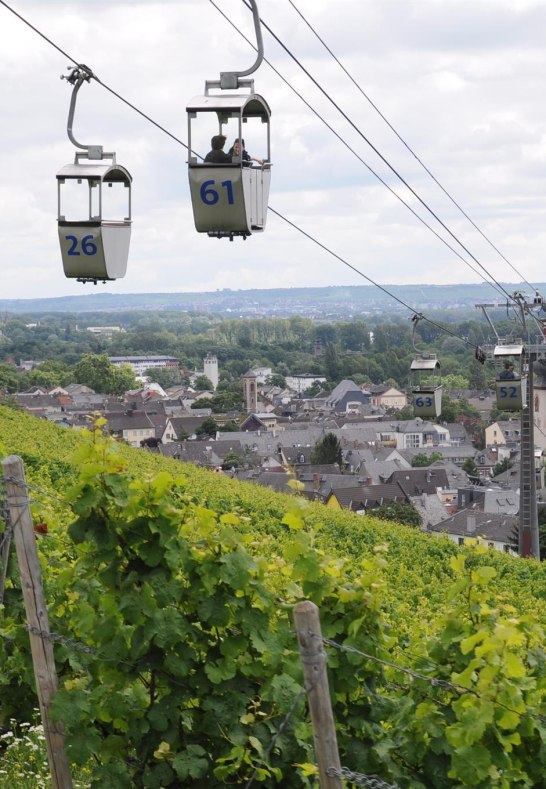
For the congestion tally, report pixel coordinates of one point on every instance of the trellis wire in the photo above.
(359, 779)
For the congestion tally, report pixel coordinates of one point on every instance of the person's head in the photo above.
(238, 147)
(508, 366)
(217, 142)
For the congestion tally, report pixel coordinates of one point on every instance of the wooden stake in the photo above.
(4, 558)
(313, 659)
(38, 621)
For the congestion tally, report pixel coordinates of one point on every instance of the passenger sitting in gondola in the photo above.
(508, 373)
(238, 149)
(217, 155)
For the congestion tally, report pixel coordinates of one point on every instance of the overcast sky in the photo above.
(462, 81)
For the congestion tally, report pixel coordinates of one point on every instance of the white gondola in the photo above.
(94, 247)
(426, 386)
(94, 207)
(511, 392)
(229, 199)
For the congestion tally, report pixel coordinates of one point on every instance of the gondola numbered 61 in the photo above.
(230, 194)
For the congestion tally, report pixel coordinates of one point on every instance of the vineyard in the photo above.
(170, 592)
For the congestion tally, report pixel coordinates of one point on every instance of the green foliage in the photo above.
(182, 591)
(501, 467)
(203, 383)
(232, 460)
(422, 459)
(191, 657)
(399, 512)
(470, 467)
(327, 450)
(164, 376)
(454, 382)
(98, 372)
(209, 427)
(482, 725)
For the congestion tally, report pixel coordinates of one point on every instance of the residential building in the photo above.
(387, 397)
(497, 530)
(134, 427)
(142, 363)
(300, 383)
(347, 398)
(503, 432)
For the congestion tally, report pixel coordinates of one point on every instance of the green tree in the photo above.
(332, 361)
(9, 378)
(454, 382)
(327, 450)
(123, 379)
(422, 459)
(314, 389)
(203, 384)
(230, 427)
(232, 460)
(208, 427)
(276, 379)
(98, 372)
(164, 376)
(404, 414)
(399, 512)
(202, 402)
(470, 467)
(501, 467)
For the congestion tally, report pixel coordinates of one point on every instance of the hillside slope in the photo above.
(419, 568)
(171, 592)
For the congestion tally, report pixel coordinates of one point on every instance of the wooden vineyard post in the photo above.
(313, 659)
(6, 544)
(37, 618)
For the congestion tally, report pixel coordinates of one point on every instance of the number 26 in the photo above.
(88, 245)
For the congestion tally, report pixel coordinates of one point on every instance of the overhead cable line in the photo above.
(408, 147)
(378, 152)
(369, 279)
(500, 291)
(292, 224)
(91, 74)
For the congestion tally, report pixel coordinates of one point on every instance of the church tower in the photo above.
(250, 390)
(210, 369)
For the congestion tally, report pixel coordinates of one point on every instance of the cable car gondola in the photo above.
(229, 198)
(94, 223)
(510, 387)
(426, 386)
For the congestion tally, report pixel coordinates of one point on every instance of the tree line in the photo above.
(366, 351)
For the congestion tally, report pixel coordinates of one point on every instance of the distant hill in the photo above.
(325, 302)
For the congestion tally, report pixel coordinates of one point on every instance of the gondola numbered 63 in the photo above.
(426, 386)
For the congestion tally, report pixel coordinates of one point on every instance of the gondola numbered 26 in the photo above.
(94, 222)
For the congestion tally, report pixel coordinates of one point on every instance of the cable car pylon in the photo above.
(516, 392)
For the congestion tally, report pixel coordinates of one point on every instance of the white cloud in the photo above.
(461, 80)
